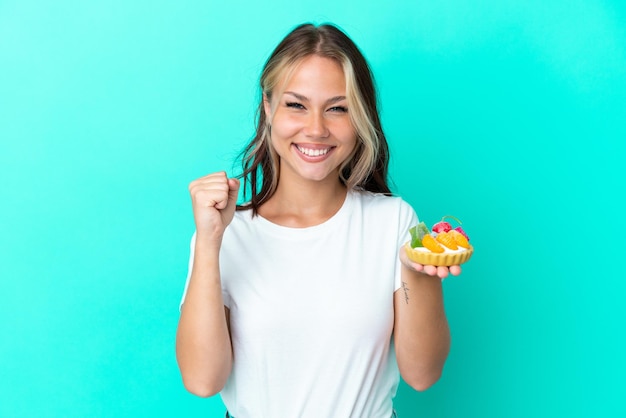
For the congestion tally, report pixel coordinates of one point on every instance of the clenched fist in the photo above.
(213, 199)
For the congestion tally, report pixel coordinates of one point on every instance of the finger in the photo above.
(442, 272)
(232, 195)
(211, 190)
(215, 180)
(219, 175)
(455, 270)
(430, 270)
(417, 266)
(221, 200)
(233, 189)
(203, 192)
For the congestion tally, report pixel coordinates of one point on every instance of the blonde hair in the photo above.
(367, 167)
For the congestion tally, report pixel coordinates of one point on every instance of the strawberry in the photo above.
(459, 238)
(429, 242)
(447, 239)
(442, 226)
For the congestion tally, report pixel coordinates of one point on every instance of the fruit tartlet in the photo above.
(443, 246)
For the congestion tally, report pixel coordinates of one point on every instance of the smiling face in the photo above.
(311, 128)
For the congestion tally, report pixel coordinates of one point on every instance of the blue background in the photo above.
(508, 114)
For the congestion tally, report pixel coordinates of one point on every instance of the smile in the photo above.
(313, 152)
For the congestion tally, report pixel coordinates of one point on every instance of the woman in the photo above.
(301, 303)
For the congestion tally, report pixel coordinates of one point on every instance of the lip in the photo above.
(313, 152)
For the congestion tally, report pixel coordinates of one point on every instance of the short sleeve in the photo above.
(406, 219)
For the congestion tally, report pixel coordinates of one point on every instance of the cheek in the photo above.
(285, 127)
(347, 134)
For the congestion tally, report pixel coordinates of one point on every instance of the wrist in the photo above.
(207, 242)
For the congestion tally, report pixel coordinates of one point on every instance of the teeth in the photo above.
(313, 152)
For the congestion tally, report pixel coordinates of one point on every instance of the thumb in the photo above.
(233, 190)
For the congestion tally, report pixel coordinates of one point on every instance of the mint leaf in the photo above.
(417, 233)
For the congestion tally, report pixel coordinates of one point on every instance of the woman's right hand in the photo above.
(213, 198)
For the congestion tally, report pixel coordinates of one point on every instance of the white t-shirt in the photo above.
(311, 311)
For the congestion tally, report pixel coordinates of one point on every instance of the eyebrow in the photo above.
(306, 99)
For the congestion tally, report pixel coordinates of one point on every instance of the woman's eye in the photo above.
(294, 105)
(340, 109)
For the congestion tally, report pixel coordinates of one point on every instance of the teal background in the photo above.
(508, 114)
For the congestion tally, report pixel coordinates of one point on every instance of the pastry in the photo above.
(441, 246)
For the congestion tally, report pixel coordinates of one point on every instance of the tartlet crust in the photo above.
(438, 259)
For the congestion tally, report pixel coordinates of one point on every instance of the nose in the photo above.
(316, 126)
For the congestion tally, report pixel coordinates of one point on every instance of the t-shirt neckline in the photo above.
(309, 231)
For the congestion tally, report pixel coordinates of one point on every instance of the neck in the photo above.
(301, 204)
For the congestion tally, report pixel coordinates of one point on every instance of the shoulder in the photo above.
(391, 214)
(244, 213)
(381, 202)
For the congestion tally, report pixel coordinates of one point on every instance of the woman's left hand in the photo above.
(440, 271)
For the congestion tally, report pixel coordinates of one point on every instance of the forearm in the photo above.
(203, 347)
(421, 332)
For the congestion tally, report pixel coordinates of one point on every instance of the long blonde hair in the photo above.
(368, 165)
